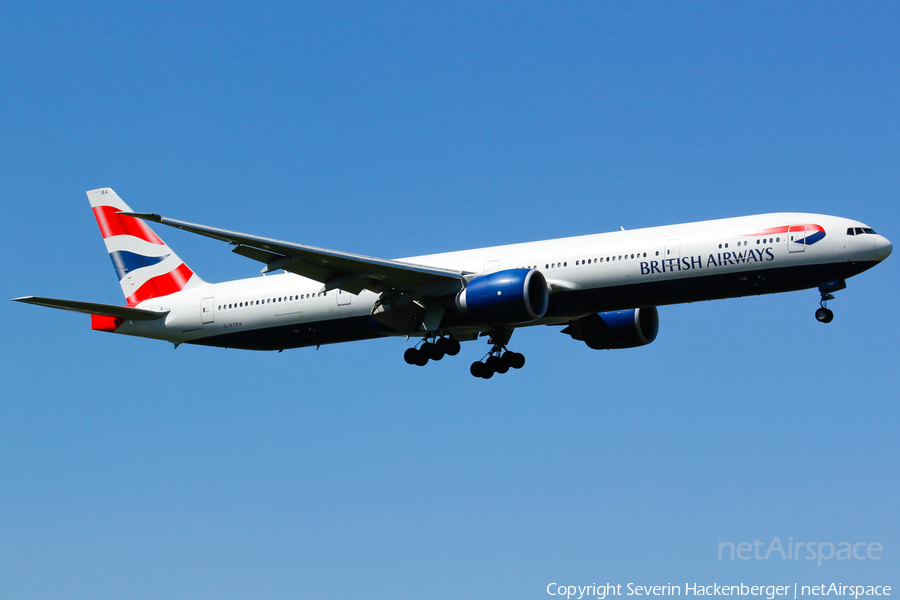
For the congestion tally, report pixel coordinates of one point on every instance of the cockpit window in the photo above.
(860, 231)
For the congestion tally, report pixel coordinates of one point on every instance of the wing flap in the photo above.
(93, 308)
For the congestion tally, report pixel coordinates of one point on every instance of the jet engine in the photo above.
(505, 297)
(617, 329)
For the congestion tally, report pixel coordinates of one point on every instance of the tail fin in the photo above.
(146, 266)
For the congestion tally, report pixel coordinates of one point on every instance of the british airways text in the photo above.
(688, 263)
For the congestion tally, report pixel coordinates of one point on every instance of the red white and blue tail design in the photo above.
(146, 266)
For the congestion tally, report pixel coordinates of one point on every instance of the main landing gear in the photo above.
(431, 351)
(499, 359)
(497, 362)
(823, 314)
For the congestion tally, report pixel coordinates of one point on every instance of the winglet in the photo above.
(145, 216)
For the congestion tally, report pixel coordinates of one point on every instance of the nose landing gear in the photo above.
(823, 314)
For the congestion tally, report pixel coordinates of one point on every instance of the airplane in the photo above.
(602, 289)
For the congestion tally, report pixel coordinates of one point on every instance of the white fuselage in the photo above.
(586, 274)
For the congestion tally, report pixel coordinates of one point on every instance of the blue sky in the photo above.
(130, 470)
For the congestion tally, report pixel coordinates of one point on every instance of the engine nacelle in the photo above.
(617, 329)
(505, 297)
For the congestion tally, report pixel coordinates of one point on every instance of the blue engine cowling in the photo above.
(505, 297)
(617, 329)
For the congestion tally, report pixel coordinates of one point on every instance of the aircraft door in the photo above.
(343, 298)
(207, 314)
(797, 238)
(672, 255)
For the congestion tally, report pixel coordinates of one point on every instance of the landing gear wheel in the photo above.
(449, 346)
(415, 357)
(505, 362)
(479, 369)
(516, 359)
(495, 364)
(432, 351)
(824, 315)
(411, 356)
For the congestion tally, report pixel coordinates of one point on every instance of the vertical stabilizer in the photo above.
(147, 268)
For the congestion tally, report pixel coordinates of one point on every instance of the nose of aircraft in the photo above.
(883, 248)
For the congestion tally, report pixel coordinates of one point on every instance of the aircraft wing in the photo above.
(93, 308)
(335, 270)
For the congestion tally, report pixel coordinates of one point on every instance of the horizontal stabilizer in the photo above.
(93, 308)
